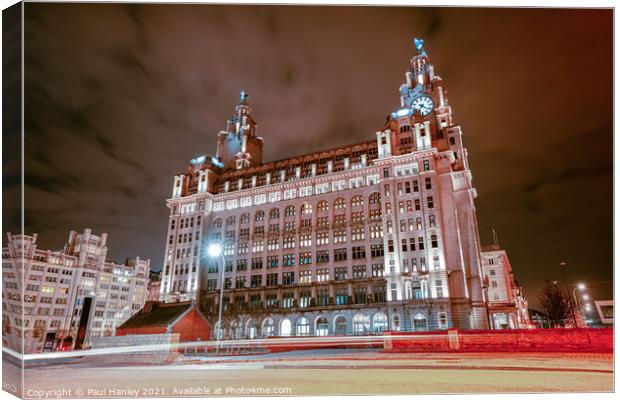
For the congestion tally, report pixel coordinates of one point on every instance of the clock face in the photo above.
(424, 104)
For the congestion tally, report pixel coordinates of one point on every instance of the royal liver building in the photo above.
(357, 239)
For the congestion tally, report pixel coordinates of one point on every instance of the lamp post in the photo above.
(580, 286)
(563, 265)
(215, 250)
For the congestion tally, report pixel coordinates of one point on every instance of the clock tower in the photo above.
(238, 147)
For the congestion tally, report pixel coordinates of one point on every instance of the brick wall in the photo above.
(571, 340)
(192, 327)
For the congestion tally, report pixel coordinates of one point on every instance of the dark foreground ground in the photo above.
(316, 372)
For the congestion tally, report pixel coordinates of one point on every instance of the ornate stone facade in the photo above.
(352, 240)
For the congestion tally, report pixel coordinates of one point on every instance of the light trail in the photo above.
(226, 344)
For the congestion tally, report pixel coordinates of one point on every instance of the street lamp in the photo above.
(580, 286)
(215, 250)
(564, 264)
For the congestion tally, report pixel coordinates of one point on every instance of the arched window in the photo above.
(217, 222)
(374, 198)
(419, 322)
(339, 203)
(323, 206)
(250, 329)
(361, 324)
(306, 208)
(217, 332)
(289, 211)
(357, 201)
(234, 331)
(259, 216)
(245, 218)
(379, 323)
(340, 325)
(274, 213)
(267, 329)
(285, 327)
(303, 327)
(321, 326)
(231, 220)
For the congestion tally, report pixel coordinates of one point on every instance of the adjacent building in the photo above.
(357, 239)
(67, 297)
(508, 307)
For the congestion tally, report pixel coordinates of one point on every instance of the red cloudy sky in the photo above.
(120, 97)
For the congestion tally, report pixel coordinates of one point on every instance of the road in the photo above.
(319, 372)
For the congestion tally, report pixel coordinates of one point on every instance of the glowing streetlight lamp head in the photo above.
(214, 250)
(581, 286)
(586, 297)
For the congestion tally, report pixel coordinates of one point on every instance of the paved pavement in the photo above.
(321, 372)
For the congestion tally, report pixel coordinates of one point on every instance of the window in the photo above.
(357, 234)
(420, 243)
(374, 215)
(340, 236)
(403, 244)
(305, 277)
(257, 246)
(386, 172)
(322, 223)
(427, 165)
(340, 203)
(272, 262)
(272, 279)
(322, 275)
(242, 265)
(257, 263)
(273, 244)
(323, 206)
(240, 282)
(289, 242)
(256, 281)
(287, 302)
(359, 271)
(288, 278)
(259, 216)
(339, 220)
(340, 273)
(358, 252)
(274, 213)
(340, 254)
(390, 246)
(306, 209)
(374, 198)
(322, 256)
(415, 186)
(289, 211)
(429, 201)
(322, 297)
(428, 184)
(342, 296)
(245, 218)
(305, 258)
(288, 260)
(322, 238)
(376, 231)
(434, 241)
(357, 201)
(431, 221)
(378, 270)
